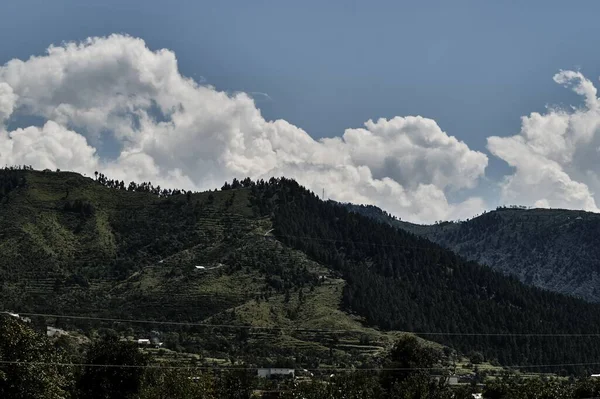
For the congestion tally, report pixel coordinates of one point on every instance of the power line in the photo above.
(181, 323)
(302, 329)
(324, 369)
(152, 366)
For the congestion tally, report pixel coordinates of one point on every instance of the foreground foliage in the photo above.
(120, 371)
(30, 367)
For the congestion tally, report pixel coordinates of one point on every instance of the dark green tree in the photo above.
(114, 370)
(409, 358)
(236, 384)
(177, 384)
(38, 370)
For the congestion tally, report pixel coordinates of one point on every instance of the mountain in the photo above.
(93, 248)
(397, 280)
(554, 249)
(325, 285)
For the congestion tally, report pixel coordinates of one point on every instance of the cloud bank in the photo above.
(555, 155)
(174, 132)
(114, 92)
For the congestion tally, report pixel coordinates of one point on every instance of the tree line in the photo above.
(145, 187)
(11, 178)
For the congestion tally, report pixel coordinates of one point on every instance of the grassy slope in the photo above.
(44, 246)
(42, 243)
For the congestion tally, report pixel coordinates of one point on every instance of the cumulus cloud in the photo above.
(50, 146)
(555, 154)
(414, 150)
(7, 101)
(177, 133)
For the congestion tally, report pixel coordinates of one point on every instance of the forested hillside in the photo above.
(100, 248)
(327, 286)
(554, 249)
(400, 281)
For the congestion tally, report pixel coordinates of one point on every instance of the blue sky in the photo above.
(475, 67)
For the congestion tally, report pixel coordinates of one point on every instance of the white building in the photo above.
(276, 372)
(143, 341)
(54, 332)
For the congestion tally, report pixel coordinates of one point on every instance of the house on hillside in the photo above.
(143, 342)
(276, 372)
(54, 332)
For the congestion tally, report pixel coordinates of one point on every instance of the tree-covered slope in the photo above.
(97, 248)
(100, 248)
(554, 249)
(67, 240)
(401, 281)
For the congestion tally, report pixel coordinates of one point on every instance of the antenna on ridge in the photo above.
(323, 194)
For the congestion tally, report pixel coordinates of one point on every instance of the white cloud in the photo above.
(51, 146)
(555, 155)
(7, 101)
(177, 133)
(414, 150)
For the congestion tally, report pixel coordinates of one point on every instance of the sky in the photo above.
(432, 110)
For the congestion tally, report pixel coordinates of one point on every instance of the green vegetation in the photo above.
(97, 248)
(30, 365)
(264, 273)
(34, 367)
(553, 249)
(398, 281)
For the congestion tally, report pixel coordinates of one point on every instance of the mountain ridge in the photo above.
(553, 249)
(99, 248)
